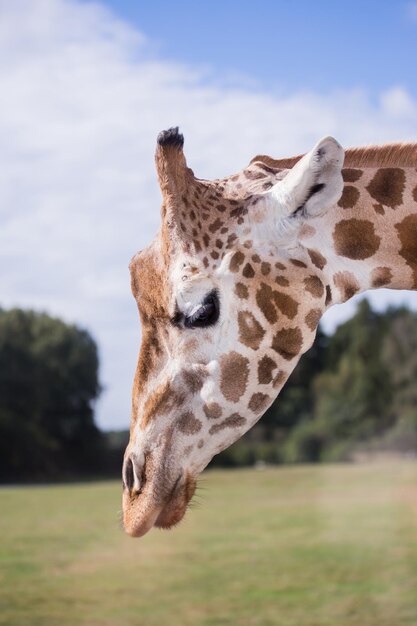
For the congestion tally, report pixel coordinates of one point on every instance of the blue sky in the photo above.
(87, 86)
(286, 45)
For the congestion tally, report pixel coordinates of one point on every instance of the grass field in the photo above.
(301, 546)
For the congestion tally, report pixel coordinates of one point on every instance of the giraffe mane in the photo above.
(391, 154)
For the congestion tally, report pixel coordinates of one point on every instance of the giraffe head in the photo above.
(229, 299)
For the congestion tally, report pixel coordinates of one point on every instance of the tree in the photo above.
(353, 395)
(399, 354)
(48, 386)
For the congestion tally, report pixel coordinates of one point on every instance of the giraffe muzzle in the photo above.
(152, 498)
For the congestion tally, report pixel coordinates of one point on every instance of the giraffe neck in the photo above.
(369, 240)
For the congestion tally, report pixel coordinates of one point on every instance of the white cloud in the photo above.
(81, 105)
(396, 102)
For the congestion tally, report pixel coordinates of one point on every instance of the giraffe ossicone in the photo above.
(232, 288)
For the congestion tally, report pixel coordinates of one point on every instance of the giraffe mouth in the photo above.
(143, 511)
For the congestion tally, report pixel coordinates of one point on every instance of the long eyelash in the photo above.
(197, 318)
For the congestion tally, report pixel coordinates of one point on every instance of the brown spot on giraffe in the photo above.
(279, 379)
(189, 424)
(216, 225)
(259, 402)
(241, 291)
(351, 175)
(298, 263)
(264, 300)
(314, 286)
(379, 209)
(415, 193)
(317, 258)
(288, 342)
(212, 410)
(248, 271)
(355, 239)
(280, 266)
(282, 281)
(265, 268)
(251, 332)
(265, 368)
(236, 261)
(269, 300)
(381, 276)
(194, 378)
(234, 375)
(312, 318)
(238, 212)
(407, 232)
(347, 284)
(387, 186)
(349, 197)
(233, 421)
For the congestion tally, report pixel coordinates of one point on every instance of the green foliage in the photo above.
(48, 385)
(353, 395)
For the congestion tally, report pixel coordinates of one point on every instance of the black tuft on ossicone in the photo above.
(171, 137)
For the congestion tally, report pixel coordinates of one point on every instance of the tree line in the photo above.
(354, 391)
(48, 387)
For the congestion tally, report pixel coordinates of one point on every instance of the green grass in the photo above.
(301, 546)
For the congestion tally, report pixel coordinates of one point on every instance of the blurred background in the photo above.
(85, 89)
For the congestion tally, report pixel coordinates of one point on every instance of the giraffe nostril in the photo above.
(133, 474)
(128, 475)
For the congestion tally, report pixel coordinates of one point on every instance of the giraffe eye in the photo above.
(203, 315)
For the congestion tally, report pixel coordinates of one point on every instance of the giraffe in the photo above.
(231, 290)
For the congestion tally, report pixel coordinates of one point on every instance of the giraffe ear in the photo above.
(315, 183)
